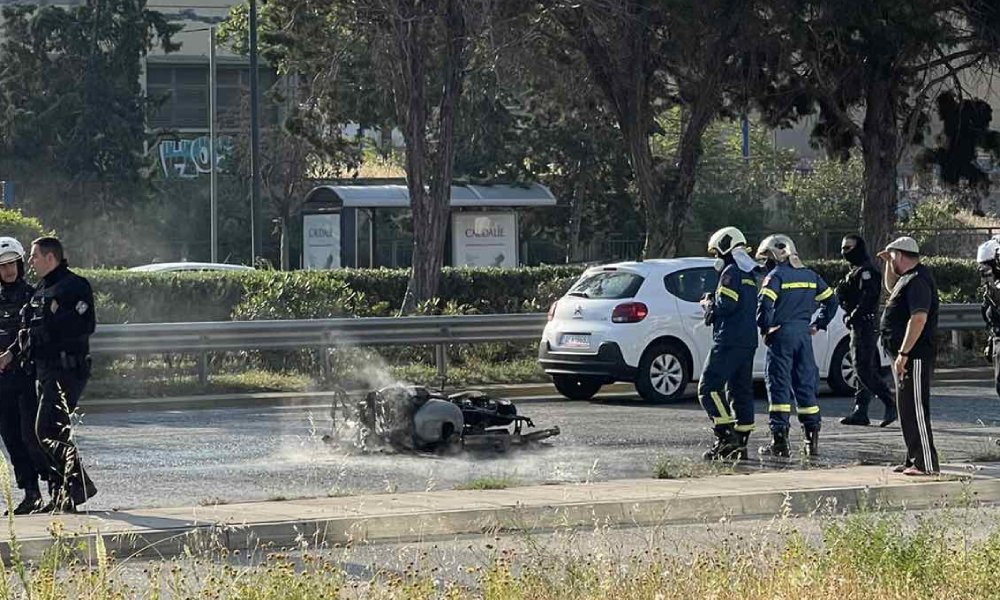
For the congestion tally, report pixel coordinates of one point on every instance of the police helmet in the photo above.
(10, 250)
(724, 240)
(779, 248)
(988, 250)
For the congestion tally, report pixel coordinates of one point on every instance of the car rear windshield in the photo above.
(607, 285)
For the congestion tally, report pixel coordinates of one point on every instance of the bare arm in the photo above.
(889, 278)
(914, 327)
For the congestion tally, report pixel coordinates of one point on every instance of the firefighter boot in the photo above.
(778, 445)
(811, 447)
(727, 445)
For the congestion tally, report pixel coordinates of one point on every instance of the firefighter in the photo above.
(726, 386)
(859, 294)
(787, 318)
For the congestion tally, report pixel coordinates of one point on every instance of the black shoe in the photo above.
(856, 418)
(778, 445)
(64, 507)
(811, 447)
(890, 415)
(31, 504)
(726, 447)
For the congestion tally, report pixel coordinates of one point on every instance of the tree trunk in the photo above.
(575, 221)
(880, 144)
(429, 174)
(285, 245)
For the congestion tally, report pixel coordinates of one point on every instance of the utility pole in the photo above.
(255, 207)
(213, 156)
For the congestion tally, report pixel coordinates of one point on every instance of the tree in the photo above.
(648, 55)
(869, 69)
(965, 133)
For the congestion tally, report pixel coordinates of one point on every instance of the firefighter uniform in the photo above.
(786, 312)
(726, 386)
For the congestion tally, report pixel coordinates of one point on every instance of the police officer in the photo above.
(56, 328)
(989, 271)
(787, 317)
(18, 403)
(726, 386)
(859, 294)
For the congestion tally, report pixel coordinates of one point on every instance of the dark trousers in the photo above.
(995, 351)
(18, 410)
(791, 376)
(913, 392)
(866, 358)
(59, 390)
(725, 389)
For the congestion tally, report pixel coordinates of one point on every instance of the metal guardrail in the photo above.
(319, 334)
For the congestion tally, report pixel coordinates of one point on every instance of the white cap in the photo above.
(904, 244)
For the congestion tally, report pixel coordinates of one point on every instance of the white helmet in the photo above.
(11, 250)
(779, 248)
(724, 240)
(988, 250)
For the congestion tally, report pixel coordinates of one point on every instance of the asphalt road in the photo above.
(190, 457)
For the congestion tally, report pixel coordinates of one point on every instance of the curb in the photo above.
(405, 518)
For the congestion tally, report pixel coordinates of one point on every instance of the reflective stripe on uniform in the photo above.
(808, 410)
(799, 285)
(784, 408)
(749, 282)
(721, 406)
(768, 292)
(745, 428)
(824, 294)
(723, 420)
(729, 293)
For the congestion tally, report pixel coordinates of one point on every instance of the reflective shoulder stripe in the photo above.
(749, 282)
(769, 293)
(808, 410)
(824, 294)
(799, 285)
(729, 293)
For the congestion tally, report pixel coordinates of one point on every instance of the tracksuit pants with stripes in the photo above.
(726, 387)
(913, 392)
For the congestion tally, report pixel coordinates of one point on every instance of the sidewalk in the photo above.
(421, 516)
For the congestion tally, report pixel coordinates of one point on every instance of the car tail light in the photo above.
(630, 312)
(552, 310)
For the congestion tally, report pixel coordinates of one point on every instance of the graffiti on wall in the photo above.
(191, 158)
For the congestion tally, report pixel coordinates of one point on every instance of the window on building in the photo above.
(180, 95)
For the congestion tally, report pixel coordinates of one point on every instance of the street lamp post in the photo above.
(255, 207)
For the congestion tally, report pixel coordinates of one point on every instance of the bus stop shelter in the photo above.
(366, 225)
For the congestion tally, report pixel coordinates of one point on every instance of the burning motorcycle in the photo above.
(417, 419)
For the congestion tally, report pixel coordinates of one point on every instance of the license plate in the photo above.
(574, 340)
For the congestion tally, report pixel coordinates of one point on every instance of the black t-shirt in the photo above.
(914, 292)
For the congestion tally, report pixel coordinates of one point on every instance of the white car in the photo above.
(641, 322)
(181, 267)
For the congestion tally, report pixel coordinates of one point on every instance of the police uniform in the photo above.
(726, 386)
(786, 311)
(18, 403)
(859, 294)
(60, 319)
(991, 315)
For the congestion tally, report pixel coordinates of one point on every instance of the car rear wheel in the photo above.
(577, 387)
(664, 373)
(842, 376)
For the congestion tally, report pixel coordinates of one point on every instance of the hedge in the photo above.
(124, 296)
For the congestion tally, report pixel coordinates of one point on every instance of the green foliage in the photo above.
(23, 229)
(302, 295)
(829, 197)
(956, 278)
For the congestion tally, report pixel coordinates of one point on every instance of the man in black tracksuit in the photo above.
(56, 328)
(859, 294)
(18, 403)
